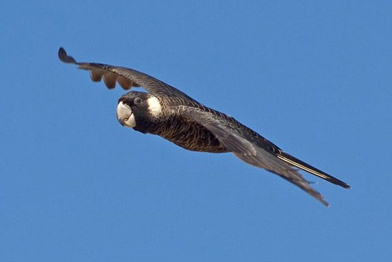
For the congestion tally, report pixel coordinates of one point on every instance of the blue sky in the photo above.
(314, 77)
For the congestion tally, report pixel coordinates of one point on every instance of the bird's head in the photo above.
(135, 109)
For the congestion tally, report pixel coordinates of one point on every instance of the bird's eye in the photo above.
(137, 101)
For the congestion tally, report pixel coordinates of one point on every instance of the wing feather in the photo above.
(125, 83)
(97, 74)
(126, 77)
(110, 80)
(246, 148)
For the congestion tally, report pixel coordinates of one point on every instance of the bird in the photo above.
(165, 111)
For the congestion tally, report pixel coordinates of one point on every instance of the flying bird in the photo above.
(166, 111)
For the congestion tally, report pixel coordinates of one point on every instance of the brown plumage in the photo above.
(171, 114)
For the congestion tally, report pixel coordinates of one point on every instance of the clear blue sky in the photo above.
(314, 77)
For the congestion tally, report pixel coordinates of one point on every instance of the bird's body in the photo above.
(171, 125)
(171, 114)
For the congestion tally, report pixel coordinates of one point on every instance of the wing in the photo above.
(242, 142)
(126, 77)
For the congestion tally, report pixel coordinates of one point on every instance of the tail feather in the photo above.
(310, 169)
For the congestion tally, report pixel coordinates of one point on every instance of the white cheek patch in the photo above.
(125, 115)
(154, 106)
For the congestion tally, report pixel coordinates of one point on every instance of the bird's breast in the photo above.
(188, 134)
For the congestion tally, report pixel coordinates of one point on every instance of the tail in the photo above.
(310, 169)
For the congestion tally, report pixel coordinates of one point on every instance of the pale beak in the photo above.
(125, 115)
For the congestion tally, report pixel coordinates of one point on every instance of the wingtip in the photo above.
(321, 199)
(64, 57)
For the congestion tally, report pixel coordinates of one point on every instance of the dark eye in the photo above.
(137, 101)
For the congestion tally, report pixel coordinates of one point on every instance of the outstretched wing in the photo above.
(126, 77)
(241, 141)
